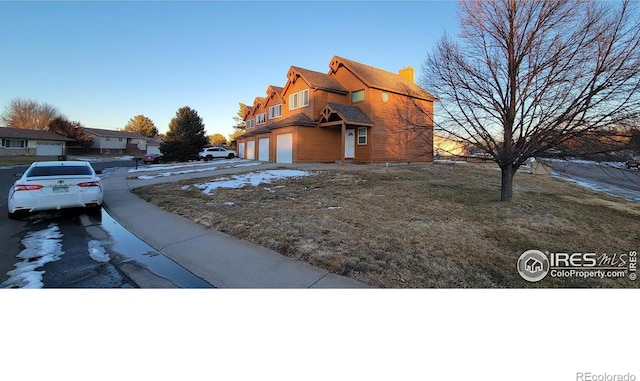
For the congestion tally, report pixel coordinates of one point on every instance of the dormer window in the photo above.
(275, 111)
(299, 99)
(251, 123)
(261, 118)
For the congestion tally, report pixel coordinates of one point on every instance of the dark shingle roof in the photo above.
(113, 133)
(382, 79)
(350, 114)
(20, 133)
(299, 119)
(320, 80)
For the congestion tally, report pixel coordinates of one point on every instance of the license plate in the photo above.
(61, 189)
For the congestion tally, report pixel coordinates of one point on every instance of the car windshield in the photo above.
(59, 170)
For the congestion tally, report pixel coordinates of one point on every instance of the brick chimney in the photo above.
(407, 73)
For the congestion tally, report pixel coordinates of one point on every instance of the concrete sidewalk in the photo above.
(218, 258)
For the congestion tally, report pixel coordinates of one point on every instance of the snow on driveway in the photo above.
(253, 179)
(40, 248)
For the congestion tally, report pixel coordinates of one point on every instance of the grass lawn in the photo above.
(12, 160)
(416, 226)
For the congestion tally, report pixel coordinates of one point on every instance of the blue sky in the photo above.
(102, 63)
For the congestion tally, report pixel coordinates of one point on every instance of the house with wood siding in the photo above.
(355, 112)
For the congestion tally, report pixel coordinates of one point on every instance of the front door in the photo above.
(350, 144)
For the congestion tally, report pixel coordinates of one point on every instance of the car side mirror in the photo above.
(98, 172)
(18, 174)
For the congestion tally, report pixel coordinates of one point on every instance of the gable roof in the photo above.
(315, 79)
(113, 133)
(347, 113)
(381, 79)
(20, 133)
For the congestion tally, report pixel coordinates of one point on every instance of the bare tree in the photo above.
(28, 114)
(525, 77)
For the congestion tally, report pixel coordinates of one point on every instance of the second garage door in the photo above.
(251, 150)
(263, 149)
(284, 152)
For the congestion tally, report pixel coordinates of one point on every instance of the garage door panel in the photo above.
(263, 149)
(285, 148)
(48, 149)
(251, 150)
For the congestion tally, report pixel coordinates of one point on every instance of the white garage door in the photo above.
(241, 150)
(49, 149)
(284, 153)
(251, 150)
(263, 149)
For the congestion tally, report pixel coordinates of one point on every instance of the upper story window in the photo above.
(275, 111)
(251, 123)
(357, 96)
(299, 99)
(261, 118)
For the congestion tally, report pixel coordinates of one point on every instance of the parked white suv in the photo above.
(216, 152)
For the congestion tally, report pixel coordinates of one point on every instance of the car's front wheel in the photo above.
(231, 156)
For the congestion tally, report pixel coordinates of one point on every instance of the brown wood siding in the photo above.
(390, 139)
(315, 144)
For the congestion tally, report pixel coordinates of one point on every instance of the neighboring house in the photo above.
(354, 112)
(153, 145)
(18, 141)
(116, 142)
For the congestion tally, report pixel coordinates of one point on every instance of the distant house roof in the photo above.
(381, 79)
(317, 80)
(347, 113)
(114, 133)
(20, 133)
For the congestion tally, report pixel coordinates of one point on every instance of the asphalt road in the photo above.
(603, 177)
(74, 268)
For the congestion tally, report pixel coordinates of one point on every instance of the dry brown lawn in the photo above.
(416, 226)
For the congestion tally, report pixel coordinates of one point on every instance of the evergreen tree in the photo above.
(186, 136)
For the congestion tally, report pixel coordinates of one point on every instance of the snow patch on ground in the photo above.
(253, 179)
(40, 248)
(614, 164)
(229, 203)
(97, 252)
(185, 168)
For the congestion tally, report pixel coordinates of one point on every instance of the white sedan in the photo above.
(52, 185)
(216, 153)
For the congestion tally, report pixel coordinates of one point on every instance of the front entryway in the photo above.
(350, 144)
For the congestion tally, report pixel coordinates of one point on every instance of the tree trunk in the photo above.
(506, 186)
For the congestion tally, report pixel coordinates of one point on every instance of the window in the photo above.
(304, 98)
(251, 123)
(107, 139)
(119, 139)
(362, 136)
(357, 96)
(275, 111)
(261, 118)
(293, 101)
(14, 143)
(299, 99)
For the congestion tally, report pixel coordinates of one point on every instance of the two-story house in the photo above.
(354, 112)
